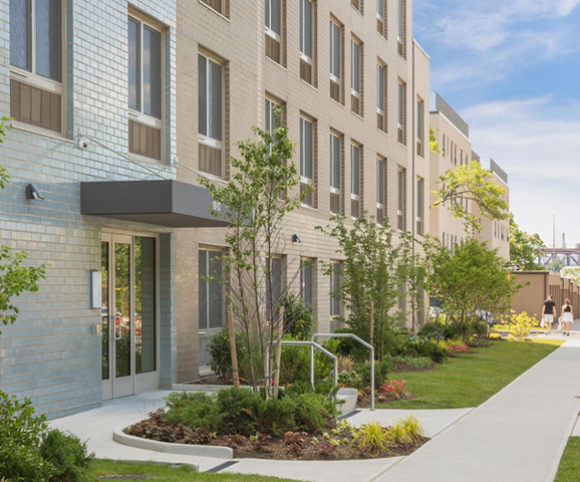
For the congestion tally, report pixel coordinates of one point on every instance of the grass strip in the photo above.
(469, 379)
(166, 472)
(569, 469)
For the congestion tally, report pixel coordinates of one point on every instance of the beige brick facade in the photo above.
(239, 43)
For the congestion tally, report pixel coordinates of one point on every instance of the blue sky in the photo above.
(511, 68)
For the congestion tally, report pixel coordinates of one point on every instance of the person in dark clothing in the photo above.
(548, 313)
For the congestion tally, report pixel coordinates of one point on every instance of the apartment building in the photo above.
(91, 89)
(353, 88)
(118, 108)
(452, 135)
(496, 233)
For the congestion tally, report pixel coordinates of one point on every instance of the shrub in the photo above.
(432, 331)
(67, 454)
(196, 410)
(373, 438)
(423, 348)
(521, 324)
(314, 412)
(410, 363)
(278, 416)
(298, 319)
(21, 433)
(221, 354)
(393, 389)
(239, 410)
(381, 372)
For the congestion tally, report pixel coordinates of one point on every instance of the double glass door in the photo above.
(129, 315)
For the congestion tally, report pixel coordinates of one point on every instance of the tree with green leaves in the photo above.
(469, 278)
(375, 266)
(15, 277)
(525, 248)
(473, 183)
(260, 195)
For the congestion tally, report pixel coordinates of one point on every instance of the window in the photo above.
(220, 6)
(307, 158)
(420, 127)
(210, 115)
(402, 114)
(382, 96)
(461, 157)
(402, 32)
(358, 4)
(273, 25)
(211, 295)
(277, 270)
(144, 89)
(272, 110)
(402, 298)
(307, 41)
(36, 39)
(402, 199)
(336, 61)
(335, 279)
(335, 173)
(381, 18)
(355, 180)
(356, 80)
(381, 189)
(420, 205)
(443, 147)
(307, 266)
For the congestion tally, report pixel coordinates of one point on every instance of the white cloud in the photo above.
(539, 147)
(492, 39)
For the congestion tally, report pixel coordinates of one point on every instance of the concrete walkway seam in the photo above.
(472, 411)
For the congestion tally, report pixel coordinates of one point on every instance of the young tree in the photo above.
(473, 183)
(375, 266)
(257, 199)
(15, 278)
(469, 278)
(525, 248)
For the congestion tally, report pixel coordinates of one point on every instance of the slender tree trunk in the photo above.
(234, 354)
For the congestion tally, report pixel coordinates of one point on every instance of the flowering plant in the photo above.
(392, 389)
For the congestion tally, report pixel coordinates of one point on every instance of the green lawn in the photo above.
(569, 470)
(470, 379)
(163, 472)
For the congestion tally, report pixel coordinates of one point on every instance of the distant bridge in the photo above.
(560, 256)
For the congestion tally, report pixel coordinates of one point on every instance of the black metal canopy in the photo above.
(163, 203)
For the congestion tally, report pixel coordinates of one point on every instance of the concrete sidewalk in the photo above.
(517, 435)
(96, 427)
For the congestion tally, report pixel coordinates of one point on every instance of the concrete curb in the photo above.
(172, 448)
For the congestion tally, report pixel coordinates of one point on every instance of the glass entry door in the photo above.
(129, 317)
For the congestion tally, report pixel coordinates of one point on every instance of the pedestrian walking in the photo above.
(548, 313)
(567, 316)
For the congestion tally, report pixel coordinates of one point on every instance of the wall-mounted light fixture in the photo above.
(32, 192)
(96, 289)
(296, 238)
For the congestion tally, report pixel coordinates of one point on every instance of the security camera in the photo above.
(32, 192)
(296, 238)
(83, 143)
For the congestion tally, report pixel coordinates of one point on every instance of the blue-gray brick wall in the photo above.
(51, 354)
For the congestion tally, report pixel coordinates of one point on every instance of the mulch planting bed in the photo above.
(337, 444)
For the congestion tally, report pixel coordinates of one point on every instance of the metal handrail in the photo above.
(354, 337)
(313, 345)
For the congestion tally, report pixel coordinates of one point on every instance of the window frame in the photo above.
(382, 18)
(304, 180)
(336, 268)
(356, 44)
(402, 112)
(381, 201)
(204, 138)
(420, 127)
(335, 162)
(209, 251)
(31, 77)
(224, 7)
(335, 26)
(302, 40)
(420, 216)
(268, 28)
(356, 196)
(139, 115)
(401, 199)
(306, 262)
